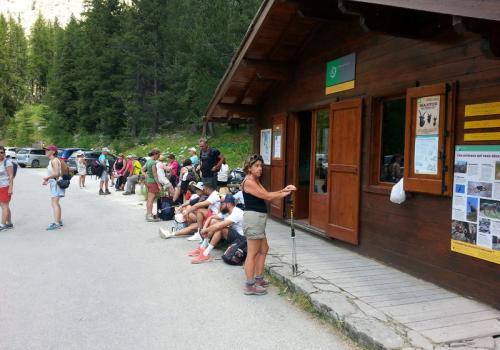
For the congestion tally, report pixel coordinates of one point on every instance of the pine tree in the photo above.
(41, 52)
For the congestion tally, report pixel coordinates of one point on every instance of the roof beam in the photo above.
(270, 70)
(239, 108)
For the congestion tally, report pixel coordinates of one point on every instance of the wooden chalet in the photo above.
(335, 90)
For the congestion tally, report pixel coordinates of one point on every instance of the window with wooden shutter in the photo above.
(429, 139)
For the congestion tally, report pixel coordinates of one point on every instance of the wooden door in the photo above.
(278, 139)
(344, 170)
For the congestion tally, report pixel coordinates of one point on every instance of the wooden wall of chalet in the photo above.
(416, 235)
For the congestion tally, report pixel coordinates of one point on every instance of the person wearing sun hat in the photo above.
(103, 160)
(54, 172)
(81, 167)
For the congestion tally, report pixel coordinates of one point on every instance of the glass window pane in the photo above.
(392, 140)
(321, 156)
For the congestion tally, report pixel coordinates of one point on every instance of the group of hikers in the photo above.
(202, 206)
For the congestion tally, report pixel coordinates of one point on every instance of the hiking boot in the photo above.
(200, 259)
(196, 252)
(165, 233)
(53, 226)
(126, 193)
(262, 282)
(132, 192)
(195, 237)
(107, 192)
(254, 289)
(101, 192)
(151, 218)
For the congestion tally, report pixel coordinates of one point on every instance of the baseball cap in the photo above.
(192, 149)
(105, 149)
(51, 148)
(199, 186)
(229, 199)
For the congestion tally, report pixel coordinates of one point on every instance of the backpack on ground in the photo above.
(236, 253)
(14, 166)
(166, 209)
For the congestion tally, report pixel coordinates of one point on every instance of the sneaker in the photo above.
(61, 223)
(9, 226)
(151, 218)
(200, 259)
(53, 226)
(126, 193)
(101, 192)
(196, 252)
(165, 233)
(107, 192)
(195, 237)
(254, 289)
(262, 282)
(3, 228)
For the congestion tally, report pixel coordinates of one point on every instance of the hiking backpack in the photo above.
(14, 166)
(97, 168)
(236, 253)
(192, 175)
(166, 209)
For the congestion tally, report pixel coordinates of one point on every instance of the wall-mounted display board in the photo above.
(475, 227)
(482, 116)
(265, 145)
(429, 139)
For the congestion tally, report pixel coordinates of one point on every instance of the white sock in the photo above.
(204, 244)
(208, 250)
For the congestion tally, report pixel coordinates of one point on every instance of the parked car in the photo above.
(33, 157)
(10, 152)
(67, 152)
(90, 158)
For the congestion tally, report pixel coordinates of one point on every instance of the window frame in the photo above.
(375, 184)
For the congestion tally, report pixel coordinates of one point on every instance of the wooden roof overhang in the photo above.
(280, 30)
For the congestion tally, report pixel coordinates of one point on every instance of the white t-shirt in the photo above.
(223, 173)
(4, 176)
(236, 217)
(214, 200)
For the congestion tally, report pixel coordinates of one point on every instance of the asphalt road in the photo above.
(107, 281)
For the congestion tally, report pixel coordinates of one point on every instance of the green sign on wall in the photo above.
(340, 74)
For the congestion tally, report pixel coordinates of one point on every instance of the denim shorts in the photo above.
(55, 190)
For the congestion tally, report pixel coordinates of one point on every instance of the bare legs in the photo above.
(256, 258)
(56, 209)
(82, 180)
(149, 204)
(6, 219)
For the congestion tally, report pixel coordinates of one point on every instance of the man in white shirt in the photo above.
(230, 227)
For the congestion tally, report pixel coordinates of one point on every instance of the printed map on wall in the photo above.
(475, 226)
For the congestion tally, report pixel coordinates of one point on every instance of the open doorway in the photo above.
(303, 165)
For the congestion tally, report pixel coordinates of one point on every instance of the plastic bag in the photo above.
(398, 194)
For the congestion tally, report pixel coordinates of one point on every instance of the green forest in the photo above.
(124, 71)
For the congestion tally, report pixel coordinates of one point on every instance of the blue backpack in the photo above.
(14, 166)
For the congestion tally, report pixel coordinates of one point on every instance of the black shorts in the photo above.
(233, 236)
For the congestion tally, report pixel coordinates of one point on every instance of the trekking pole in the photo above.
(295, 268)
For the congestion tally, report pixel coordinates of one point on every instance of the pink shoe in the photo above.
(201, 259)
(196, 252)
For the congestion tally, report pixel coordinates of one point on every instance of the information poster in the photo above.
(426, 154)
(265, 145)
(428, 115)
(475, 227)
(277, 142)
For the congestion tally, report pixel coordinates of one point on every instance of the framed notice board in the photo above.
(429, 139)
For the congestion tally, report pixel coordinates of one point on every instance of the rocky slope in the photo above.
(28, 10)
